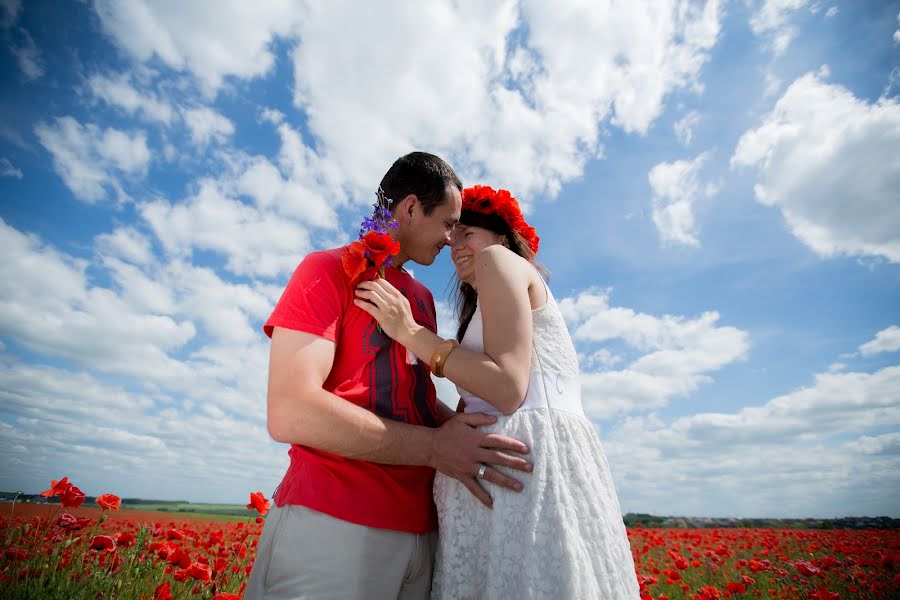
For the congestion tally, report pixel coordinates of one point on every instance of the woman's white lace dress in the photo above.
(563, 536)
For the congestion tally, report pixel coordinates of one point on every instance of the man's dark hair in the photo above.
(423, 174)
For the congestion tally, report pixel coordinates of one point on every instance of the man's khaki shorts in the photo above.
(303, 553)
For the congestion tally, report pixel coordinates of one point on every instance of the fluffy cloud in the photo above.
(254, 242)
(674, 354)
(772, 19)
(685, 126)
(28, 55)
(112, 439)
(119, 90)
(207, 125)
(90, 159)
(522, 88)
(11, 11)
(676, 187)
(519, 110)
(772, 459)
(54, 311)
(886, 340)
(827, 160)
(7, 169)
(234, 43)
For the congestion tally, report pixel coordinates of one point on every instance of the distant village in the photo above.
(631, 519)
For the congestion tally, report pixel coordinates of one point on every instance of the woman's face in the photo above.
(466, 242)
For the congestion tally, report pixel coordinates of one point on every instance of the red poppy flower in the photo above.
(258, 502)
(806, 569)
(379, 246)
(57, 487)
(72, 523)
(109, 501)
(125, 538)
(736, 588)
(163, 591)
(224, 596)
(72, 497)
(200, 572)
(103, 542)
(354, 261)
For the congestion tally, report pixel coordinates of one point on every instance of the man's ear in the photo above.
(406, 208)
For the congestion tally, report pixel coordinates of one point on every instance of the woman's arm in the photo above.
(499, 374)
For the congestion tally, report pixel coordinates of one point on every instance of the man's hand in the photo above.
(460, 450)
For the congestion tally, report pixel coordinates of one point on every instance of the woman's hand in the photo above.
(389, 307)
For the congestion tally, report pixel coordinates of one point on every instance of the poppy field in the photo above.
(68, 550)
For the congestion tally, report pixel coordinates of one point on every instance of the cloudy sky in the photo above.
(716, 184)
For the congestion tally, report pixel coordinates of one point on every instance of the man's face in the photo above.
(430, 233)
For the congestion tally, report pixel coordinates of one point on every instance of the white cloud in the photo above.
(831, 12)
(772, 459)
(7, 169)
(118, 90)
(29, 56)
(11, 11)
(897, 31)
(255, 242)
(521, 111)
(207, 125)
(53, 311)
(184, 37)
(685, 126)
(111, 439)
(888, 443)
(828, 161)
(676, 354)
(773, 19)
(90, 159)
(886, 340)
(126, 243)
(676, 187)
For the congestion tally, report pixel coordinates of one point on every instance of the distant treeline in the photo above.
(655, 521)
(630, 519)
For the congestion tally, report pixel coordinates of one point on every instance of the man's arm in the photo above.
(300, 411)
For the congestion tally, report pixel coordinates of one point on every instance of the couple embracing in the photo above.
(517, 479)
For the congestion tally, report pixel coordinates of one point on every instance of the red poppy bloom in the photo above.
(354, 261)
(200, 572)
(163, 591)
(72, 497)
(379, 246)
(57, 487)
(806, 569)
(72, 523)
(103, 542)
(109, 501)
(736, 588)
(258, 501)
(125, 538)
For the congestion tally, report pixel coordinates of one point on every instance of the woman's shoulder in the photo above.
(501, 256)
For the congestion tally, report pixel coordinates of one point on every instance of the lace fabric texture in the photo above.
(563, 536)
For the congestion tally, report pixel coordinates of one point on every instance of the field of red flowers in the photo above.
(68, 550)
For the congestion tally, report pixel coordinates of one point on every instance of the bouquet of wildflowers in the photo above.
(375, 249)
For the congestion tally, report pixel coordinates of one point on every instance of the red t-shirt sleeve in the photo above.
(314, 299)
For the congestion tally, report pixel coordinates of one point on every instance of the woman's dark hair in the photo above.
(466, 297)
(427, 176)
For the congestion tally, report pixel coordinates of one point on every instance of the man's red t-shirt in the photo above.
(373, 372)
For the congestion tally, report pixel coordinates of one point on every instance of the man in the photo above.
(354, 516)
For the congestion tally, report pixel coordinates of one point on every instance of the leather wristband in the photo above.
(439, 356)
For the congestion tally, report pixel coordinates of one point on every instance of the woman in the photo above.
(563, 536)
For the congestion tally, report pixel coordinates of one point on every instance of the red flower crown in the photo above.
(485, 200)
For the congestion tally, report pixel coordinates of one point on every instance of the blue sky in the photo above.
(715, 185)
